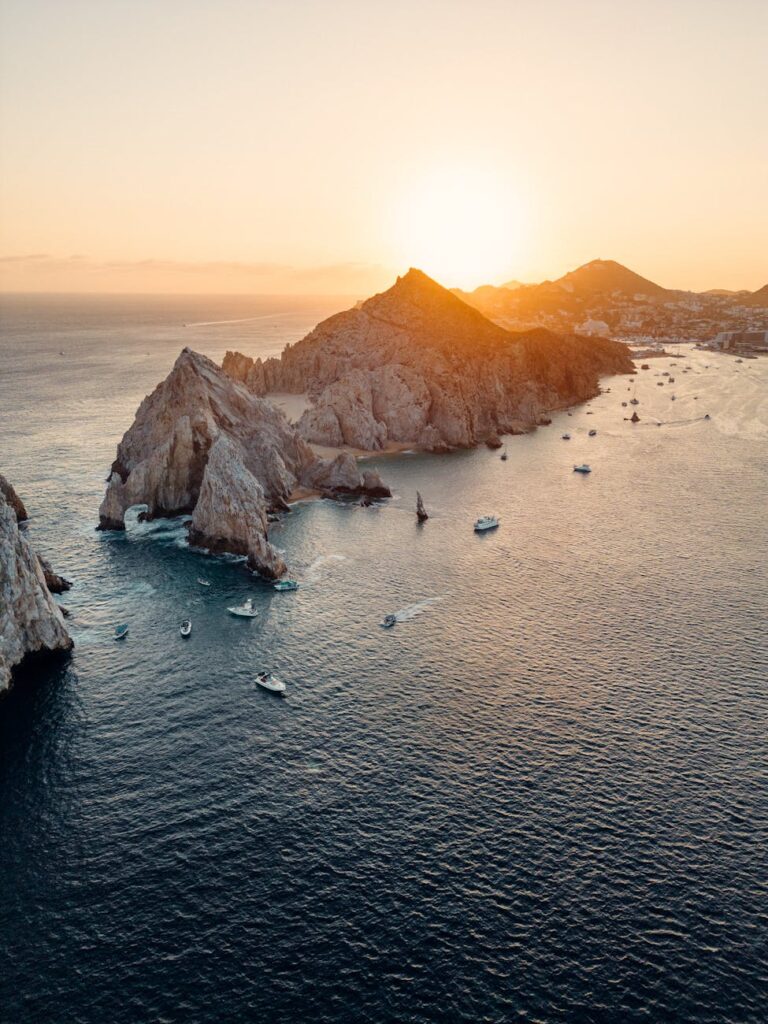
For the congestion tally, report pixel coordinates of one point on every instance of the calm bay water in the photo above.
(543, 796)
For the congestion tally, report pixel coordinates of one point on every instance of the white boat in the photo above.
(583, 468)
(388, 621)
(185, 628)
(244, 611)
(269, 682)
(202, 582)
(486, 523)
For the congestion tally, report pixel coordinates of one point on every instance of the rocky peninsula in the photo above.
(204, 444)
(30, 620)
(417, 366)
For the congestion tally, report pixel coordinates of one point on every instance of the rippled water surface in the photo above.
(542, 796)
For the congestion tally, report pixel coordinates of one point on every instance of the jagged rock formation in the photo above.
(421, 512)
(12, 499)
(55, 583)
(417, 365)
(204, 444)
(30, 621)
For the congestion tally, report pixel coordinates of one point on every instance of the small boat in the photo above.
(185, 628)
(566, 437)
(624, 404)
(244, 611)
(486, 523)
(202, 582)
(388, 621)
(634, 401)
(270, 682)
(583, 468)
(592, 433)
(504, 456)
(121, 631)
(286, 585)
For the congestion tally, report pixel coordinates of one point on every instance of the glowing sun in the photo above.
(461, 226)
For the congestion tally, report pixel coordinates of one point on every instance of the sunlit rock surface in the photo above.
(417, 365)
(203, 443)
(30, 621)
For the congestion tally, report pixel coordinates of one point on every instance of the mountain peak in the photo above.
(608, 276)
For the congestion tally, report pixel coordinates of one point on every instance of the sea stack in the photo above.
(416, 365)
(30, 621)
(421, 512)
(203, 444)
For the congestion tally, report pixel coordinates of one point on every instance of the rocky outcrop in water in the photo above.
(30, 621)
(417, 365)
(203, 444)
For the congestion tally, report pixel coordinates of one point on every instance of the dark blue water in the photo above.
(543, 796)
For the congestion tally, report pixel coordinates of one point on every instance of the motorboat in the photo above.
(634, 401)
(202, 582)
(121, 631)
(592, 433)
(583, 468)
(269, 682)
(566, 437)
(286, 585)
(244, 611)
(486, 523)
(504, 456)
(388, 621)
(185, 628)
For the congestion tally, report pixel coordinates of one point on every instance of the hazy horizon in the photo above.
(241, 148)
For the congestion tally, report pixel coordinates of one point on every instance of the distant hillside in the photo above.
(758, 298)
(606, 277)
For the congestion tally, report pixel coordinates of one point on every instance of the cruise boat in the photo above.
(486, 523)
(286, 585)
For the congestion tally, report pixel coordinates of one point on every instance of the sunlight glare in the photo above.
(462, 226)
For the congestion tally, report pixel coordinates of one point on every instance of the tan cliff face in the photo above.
(417, 365)
(204, 444)
(30, 620)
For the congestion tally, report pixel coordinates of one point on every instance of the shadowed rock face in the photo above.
(417, 365)
(204, 444)
(30, 621)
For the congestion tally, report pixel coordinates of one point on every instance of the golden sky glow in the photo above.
(243, 146)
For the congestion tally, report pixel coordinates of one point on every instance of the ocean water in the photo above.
(542, 796)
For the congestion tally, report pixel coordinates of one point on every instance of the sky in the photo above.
(311, 146)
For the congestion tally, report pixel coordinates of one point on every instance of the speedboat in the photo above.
(270, 682)
(592, 433)
(202, 582)
(244, 611)
(185, 628)
(286, 585)
(388, 621)
(121, 631)
(566, 437)
(583, 468)
(486, 523)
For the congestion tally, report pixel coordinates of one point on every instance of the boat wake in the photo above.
(412, 610)
(315, 571)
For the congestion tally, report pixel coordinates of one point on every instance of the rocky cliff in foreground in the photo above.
(417, 365)
(30, 620)
(204, 444)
